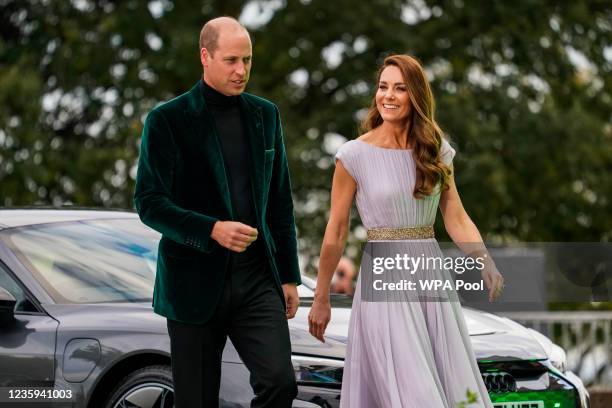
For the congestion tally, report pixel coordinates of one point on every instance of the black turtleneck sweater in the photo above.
(235, 148)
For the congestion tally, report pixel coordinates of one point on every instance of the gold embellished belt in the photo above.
(385, 234)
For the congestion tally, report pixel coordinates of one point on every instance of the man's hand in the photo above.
(233, 235)
(291, 299)
(318, 318)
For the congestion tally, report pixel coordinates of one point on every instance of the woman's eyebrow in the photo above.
(397, 83)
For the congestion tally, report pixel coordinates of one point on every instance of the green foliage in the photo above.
(531, 126)
(471, 398)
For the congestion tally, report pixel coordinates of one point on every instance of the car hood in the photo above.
(123, 317)
(493, 337)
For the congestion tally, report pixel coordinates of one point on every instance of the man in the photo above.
(213, 179)
(342, 281)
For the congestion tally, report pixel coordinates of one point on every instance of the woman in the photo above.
(410, 353)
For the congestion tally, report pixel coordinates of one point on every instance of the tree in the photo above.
(522, 90)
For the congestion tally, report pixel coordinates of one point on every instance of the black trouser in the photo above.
(251, 313)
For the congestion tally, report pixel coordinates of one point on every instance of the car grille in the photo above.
(499, 382)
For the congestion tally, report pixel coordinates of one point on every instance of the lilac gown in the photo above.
(406, 354)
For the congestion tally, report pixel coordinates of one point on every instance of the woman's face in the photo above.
(392, 95)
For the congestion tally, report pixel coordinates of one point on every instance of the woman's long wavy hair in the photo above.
(423, 131)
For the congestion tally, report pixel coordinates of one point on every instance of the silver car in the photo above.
(76, 326)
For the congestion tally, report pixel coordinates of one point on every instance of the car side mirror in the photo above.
(7, 307)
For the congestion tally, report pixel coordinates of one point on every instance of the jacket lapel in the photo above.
(204, 132)
(253, 121)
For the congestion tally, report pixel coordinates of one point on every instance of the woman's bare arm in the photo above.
(336, 232)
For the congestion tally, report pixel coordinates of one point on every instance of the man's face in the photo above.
(228, 69)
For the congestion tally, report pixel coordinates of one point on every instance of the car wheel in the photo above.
(149, 387)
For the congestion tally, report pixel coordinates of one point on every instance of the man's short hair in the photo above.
(209, 35)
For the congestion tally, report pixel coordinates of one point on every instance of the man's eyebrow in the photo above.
(236, 57)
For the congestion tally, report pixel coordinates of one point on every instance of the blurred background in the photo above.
(522, 91)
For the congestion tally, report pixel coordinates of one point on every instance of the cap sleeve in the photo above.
(447, 152)
(346, 155)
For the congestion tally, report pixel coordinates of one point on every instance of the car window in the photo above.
(96, 261)
(7, 282)
(90, 262)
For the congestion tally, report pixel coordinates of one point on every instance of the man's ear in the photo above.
(204, 56)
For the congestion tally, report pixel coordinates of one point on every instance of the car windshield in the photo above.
(98, 261)
(90, 262)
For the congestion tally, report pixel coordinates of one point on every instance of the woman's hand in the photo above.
(318, 318)
(494, 281)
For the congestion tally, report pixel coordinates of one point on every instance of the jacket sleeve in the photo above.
(154, 185)
(280, 212)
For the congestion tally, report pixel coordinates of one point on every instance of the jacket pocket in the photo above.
(268, 164)
(269, 155)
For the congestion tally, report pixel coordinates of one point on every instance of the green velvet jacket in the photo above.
(182, 190)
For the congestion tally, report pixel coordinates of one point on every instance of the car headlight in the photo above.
(558, 358)
(318, 371)
(556, 355)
